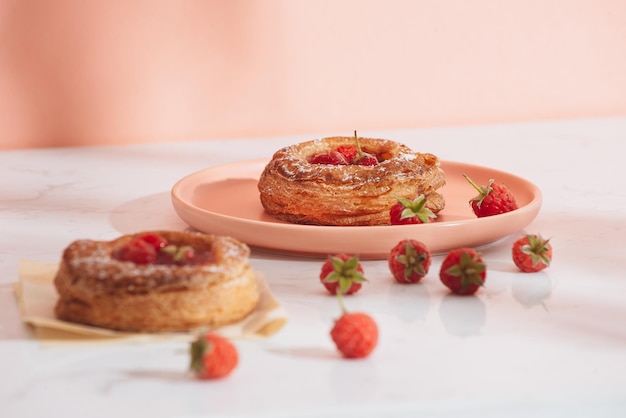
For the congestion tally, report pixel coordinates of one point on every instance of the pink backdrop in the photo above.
(78, 72)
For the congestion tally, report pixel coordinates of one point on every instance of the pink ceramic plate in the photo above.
(224, 200)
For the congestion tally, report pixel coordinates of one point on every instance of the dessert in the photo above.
(156, 281)
(337, 181)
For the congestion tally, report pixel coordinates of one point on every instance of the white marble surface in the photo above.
(550, 344)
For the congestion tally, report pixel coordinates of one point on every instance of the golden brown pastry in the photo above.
(294, 189)
(156, 281)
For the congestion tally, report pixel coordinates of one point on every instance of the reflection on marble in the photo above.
(533, 290)
(470, 308)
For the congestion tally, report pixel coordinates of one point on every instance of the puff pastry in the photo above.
(97, 288)
(295, 190)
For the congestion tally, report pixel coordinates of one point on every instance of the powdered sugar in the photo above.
(295, 190)
(89, 260)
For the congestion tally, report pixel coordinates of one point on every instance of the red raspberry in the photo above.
(348, 151)
(532, 253)
(493, 199)
(213, 357)
(406, 211)
(355, 334)
(137, 251)
(342, 273)
(366, 159)
(463, 271)
(155, 240)
(409, 261)
(362, 157)
(330, 157)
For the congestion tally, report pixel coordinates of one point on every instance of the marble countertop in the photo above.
(545, 344)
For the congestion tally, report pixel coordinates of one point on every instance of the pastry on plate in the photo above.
(156, 281)
(347, 181)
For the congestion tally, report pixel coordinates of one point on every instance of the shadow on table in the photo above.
(147, 213)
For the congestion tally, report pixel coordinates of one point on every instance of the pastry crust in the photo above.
(97, 289)
(294, 190)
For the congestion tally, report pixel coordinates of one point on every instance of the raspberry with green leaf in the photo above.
(212, 356)
(342, 273)
(409, 261)
(493, 199)
(406, 211)
(532, 253)
(463, 271)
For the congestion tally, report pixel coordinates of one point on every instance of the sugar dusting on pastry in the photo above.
(96, 288)
(293, 189)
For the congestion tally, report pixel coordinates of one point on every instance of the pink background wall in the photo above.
(129, 71)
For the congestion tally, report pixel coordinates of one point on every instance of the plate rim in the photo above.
(178, 201)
